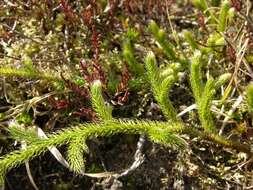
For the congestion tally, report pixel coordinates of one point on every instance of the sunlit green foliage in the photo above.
(84, 67)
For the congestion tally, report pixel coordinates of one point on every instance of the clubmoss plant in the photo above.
(76, 149)
(160, 87)
(159, 132)
(167, 47)
(204, 92)
(103, 111)
(128, 53)
(160, 37)
(165, 133)
(223, 16)
(160, 80)
(28, 71)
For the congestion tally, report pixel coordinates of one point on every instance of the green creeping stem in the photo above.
(160, 132)
(27, 73)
